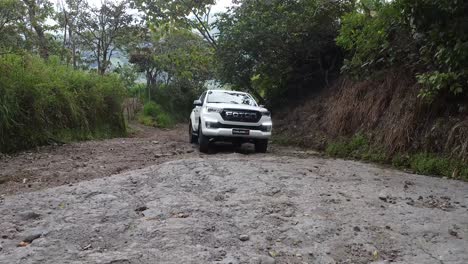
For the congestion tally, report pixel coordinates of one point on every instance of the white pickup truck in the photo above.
(232, 116)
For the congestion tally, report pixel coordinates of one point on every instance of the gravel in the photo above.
(235, 208)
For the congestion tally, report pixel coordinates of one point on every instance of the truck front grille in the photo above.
(236, 115)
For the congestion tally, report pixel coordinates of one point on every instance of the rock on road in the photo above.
(241, 209)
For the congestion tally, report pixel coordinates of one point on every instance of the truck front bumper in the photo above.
(215, 127)
(228, 132)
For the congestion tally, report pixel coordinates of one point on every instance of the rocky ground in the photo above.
(153, 198)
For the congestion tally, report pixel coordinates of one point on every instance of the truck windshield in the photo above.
(230, 98)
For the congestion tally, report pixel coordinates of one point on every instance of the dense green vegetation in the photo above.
(61, 80)
(428, 37)
(55, 64)
(154, 115)
(176, 66)
(43, 102)
(280, 50)
(283, 50)
(359, 147)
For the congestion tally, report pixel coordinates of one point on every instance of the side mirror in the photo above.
(197, 103)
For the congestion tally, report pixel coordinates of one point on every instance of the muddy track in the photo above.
(282, 207)
(68, 164)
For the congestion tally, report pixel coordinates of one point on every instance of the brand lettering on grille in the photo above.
(241, 115)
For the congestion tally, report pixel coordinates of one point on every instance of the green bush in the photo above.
(154, 115)
(147, 120)
(358, 147)
(164, 120)
(375, 154)
(428, 35)
(368, 38)
(401, 160)
(431, 164)
(355, 147)
(176, 99)
(338, 149)
(151, 109)
(43, 102)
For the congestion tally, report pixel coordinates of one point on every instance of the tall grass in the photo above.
(44, 101)
(358, 147)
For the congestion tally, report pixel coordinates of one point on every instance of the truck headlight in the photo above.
(214, 110)
(266, 113)
(212, 124)
(266, 127)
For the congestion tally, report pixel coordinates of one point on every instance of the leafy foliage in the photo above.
(432, 164)
(154, 115)
(186, 14)
(102, 29)
(358, 147)
(177, 63)
(440, 28)
(11, 13)
(428, 37)
(43, 102)
(128, 74)
(23, 26)
(279, 49)
(370, 35)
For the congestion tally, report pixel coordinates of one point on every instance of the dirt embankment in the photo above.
(387, 110)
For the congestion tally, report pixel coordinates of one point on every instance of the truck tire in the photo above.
(203, 141)
(261, 145)
(192, 137)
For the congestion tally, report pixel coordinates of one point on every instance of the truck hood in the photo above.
(236, 106)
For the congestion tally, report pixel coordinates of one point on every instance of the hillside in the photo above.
(382, 120)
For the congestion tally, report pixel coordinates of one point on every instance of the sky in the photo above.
(221, 5)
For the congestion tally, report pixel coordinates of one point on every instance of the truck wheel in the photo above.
(261, 145)
(192, 137)
(203, 141)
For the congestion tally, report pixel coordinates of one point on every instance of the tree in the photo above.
(37, 13)
(128, 74)
(102, 29)
(425, 37)
(183, 56)
(180, 13)
(11, 14)
(440, 30)
(177, 63)
(67, 17)
(280, 49)
(144, 62)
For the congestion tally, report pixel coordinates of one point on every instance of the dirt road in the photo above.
(281, 207)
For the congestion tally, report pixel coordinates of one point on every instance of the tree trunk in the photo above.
(42, 41)
(99, 56)
(65, 29)
(104, 62)
(148, 83)
(73, 47)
